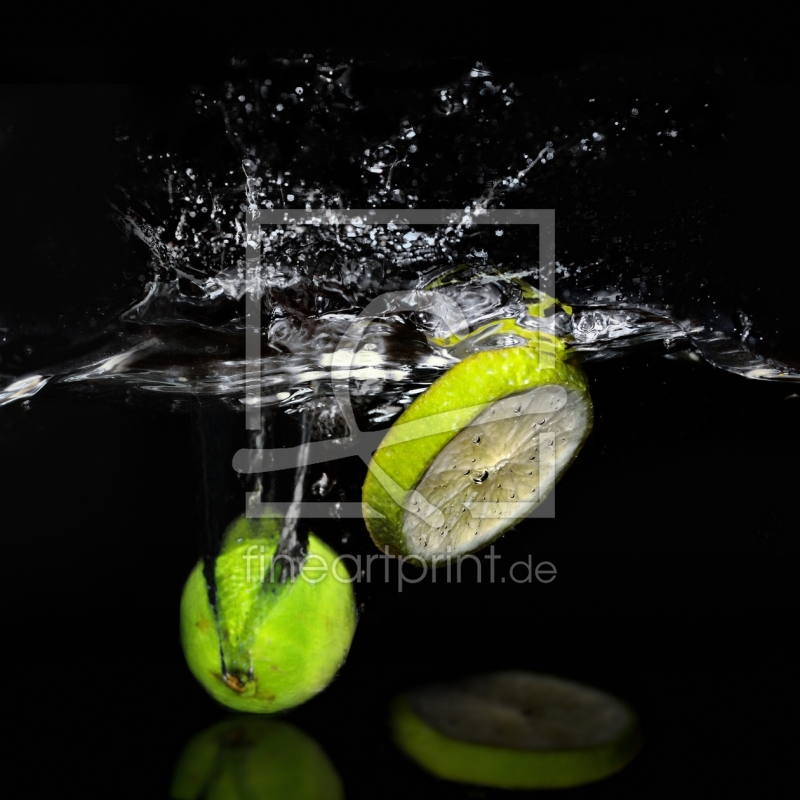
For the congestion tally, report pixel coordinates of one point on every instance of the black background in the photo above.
(673, 537)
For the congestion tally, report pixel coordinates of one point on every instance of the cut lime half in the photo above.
(516, 730)
(477, 452)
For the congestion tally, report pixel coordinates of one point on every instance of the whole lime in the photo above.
(267, 645)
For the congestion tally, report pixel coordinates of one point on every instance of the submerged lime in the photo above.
(266, 645)
(516, 730)
(478, 451)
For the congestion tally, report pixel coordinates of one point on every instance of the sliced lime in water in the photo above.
(477, 452)
(516, 730)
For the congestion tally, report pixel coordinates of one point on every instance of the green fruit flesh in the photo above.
(270, 645)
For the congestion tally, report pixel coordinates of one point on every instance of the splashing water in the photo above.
(305, 140)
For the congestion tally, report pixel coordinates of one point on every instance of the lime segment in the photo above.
(477, 452)
(516, 730)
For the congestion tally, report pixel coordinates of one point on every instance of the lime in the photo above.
(240, 759)
(516, 730)
(477, 451)
(266, 645)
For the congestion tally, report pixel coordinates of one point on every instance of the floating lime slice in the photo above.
(516, 730)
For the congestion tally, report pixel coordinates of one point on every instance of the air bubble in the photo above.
(446, 102)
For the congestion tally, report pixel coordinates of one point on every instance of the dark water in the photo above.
(672, 538)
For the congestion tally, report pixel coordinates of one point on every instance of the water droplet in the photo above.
(481, 477)
(476, 440)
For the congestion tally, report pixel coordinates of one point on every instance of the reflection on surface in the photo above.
(250, 759)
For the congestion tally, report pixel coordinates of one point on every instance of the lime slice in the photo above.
(477, 452)
(516, 730)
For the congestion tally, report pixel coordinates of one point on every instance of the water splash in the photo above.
(304, 138)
